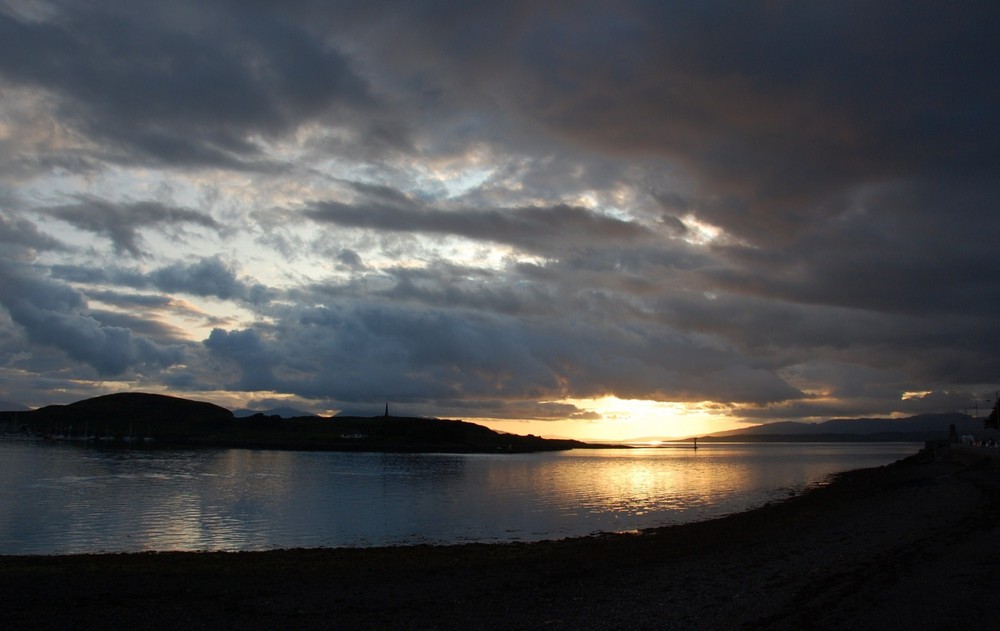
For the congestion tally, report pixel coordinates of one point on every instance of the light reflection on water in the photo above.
(58, 499)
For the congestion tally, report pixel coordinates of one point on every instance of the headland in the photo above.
(151, 420)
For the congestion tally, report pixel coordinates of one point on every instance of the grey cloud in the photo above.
(248, 354)
(121, 222)
(79, 274)
(846, 153)
(771, 107)
(351, 260)
(207, 277)
(462, 288)
(122, 299)
(599, 283)
(158, 332)
(796, 98)
(535, 229)
(439, 355)
(672, 202)
(674, 225)
(54, 315)
(868, 357)
(900, 250)
(179, 83)
(21, 233)
(148, 314)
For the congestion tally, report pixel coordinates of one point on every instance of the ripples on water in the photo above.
(61, 499)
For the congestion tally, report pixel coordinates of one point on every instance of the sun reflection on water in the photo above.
(64, 499)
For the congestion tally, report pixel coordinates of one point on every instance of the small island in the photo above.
(137, 418)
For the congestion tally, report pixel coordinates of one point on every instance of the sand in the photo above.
(914, 545)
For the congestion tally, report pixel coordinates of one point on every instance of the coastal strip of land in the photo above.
(912, 545)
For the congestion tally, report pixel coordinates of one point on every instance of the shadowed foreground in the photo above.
(914, 545)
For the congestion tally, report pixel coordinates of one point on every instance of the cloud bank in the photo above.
(767, 210)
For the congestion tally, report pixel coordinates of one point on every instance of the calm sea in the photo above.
(59, 499)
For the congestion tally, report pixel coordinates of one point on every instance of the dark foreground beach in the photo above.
(914, 545)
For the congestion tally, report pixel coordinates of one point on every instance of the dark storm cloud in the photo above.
(772, 107)
(917, 249)
(790, 207)
(249, 354)
(179, 83)
(121, 222)
(208, 277)
(783, 102)
(467, 289)
(56, 316)
(943, 349)
(606, 284)
(368, 352)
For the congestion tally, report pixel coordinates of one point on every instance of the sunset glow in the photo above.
(619, 420)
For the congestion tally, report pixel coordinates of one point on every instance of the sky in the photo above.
(587, 219)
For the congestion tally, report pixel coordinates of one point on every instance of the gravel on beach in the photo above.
(913, 545)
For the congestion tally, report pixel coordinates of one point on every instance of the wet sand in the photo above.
(914, 545)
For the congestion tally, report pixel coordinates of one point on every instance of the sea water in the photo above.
(60, 499)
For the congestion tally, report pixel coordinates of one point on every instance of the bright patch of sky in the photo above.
(631, 419)
(700, 232)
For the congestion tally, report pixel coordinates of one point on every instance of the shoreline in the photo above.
(909, 544)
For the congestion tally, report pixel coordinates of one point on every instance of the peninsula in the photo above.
(158, 420)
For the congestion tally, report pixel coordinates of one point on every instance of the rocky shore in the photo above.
(913, 545)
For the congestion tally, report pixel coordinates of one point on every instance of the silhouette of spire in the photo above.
(387, 409)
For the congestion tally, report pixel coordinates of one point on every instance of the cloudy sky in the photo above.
(588, 219)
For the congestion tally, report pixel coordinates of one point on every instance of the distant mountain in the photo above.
(283, 412)
(916, 428)
(7, 406)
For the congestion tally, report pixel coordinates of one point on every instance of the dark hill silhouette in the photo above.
(283, 412)
(915, 428)
(130, 405)
(176, 421)
(128, 414)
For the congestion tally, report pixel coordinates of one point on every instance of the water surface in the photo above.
(58, 499)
